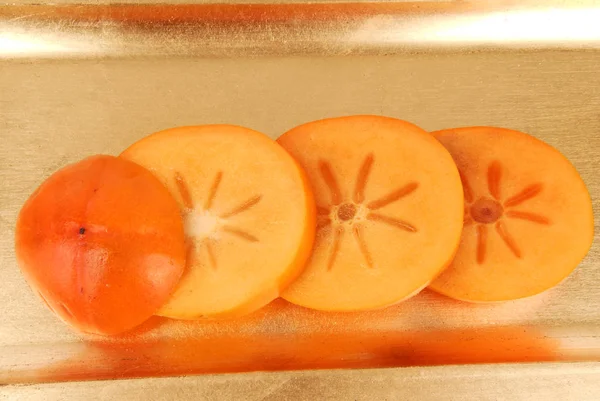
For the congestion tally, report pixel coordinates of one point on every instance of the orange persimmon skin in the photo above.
(101, 242)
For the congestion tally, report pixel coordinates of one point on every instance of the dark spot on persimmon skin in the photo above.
(82, 230)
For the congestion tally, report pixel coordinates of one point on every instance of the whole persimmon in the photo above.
(102, 243)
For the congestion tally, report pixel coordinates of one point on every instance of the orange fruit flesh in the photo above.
(248, 211)
(102, 243)
(528, 216)
(390, 209)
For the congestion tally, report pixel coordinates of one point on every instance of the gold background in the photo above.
(70, 88)
(573, 382)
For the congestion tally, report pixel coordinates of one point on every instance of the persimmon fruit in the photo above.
(102, 243)
(528, 216)
(248, 212)
(390, 210)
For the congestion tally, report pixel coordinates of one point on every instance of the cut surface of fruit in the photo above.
(102, 243)
(390, 208)
(248, 210)
(528, 216)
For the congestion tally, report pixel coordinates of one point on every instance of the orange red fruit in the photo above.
(101, 242)
(342, 214)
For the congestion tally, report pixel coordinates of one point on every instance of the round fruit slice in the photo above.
(528, 216)
(390, 209)
(102, 243)
(248, 210)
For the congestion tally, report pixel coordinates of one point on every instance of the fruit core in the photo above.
(486, 210)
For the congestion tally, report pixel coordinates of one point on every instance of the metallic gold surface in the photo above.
(257, 29)
(81, 80)
(564, 382)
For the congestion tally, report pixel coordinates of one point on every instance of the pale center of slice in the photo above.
(201, 224)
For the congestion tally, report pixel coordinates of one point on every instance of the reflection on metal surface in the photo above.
(52, 113)
(90, 31)
(549, 382)
(21, 44)
(547, 27)
(285, 337)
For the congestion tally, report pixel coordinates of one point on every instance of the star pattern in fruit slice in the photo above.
(203, 225)
(344, 215)
(492, 210)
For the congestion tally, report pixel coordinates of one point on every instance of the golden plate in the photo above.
(77, 80)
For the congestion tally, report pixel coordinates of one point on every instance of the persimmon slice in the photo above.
(528, 216)
(248, 212)
(102, 243)
(390, 209)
